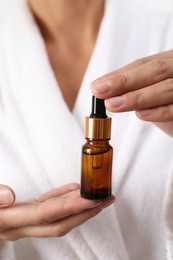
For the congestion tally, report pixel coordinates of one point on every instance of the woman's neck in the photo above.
(69, 29)
(68, 17)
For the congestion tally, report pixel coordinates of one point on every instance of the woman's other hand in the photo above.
(7, 196)
(52, 215)
(145, 86)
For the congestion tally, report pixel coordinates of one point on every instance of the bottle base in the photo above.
(96, 195)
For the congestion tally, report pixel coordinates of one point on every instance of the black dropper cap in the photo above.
(98, 125)
(98, 108)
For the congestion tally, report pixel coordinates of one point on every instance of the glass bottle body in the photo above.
(96, 177)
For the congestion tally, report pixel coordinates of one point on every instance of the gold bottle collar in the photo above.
(97, 128)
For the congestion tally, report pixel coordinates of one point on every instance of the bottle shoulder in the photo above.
(96, 147)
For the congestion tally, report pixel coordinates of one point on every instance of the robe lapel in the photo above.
(53, 133)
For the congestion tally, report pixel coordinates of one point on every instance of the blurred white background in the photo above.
(166, 5)
(5, 5)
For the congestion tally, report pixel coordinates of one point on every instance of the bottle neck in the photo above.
(98, 142)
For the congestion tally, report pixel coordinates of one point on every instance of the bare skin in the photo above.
(69, 29)
(7, 196)
(53, 214)
(145, 86)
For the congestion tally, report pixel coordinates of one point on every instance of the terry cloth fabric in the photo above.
(40, 139)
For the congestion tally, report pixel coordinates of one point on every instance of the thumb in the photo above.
(7, 196)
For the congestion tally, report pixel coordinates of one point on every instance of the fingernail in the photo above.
(145, 112)
(95, 205)
(101, 86)
(6, 198)
(115, 102)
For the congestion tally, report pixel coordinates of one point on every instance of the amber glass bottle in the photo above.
(96, 177)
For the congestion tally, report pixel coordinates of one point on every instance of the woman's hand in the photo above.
(7, 196)
(145, 86)
(52, 215)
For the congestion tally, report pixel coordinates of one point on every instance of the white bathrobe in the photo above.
(40, 139)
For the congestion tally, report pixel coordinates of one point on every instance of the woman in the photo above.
(50, 52)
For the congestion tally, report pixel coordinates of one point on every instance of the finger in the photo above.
(56, 229)
(158, 114)
(58, 192)
(132, 65)
(119, 83)
(32, 213)
(7, 196)
(145, 60)
(152, 96)
(141, 61)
